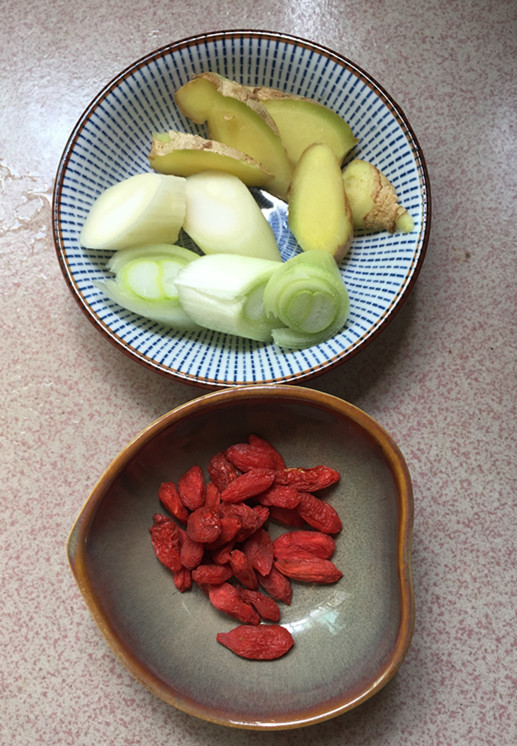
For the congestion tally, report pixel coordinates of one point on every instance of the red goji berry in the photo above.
(230, 527)
(182, 579)
(204, 525)
(171, 501)
(265, 445)
(160, 518)
(287, 517)
(212, 496)
(310, 479)
(300, 543)
(243, 570)
(245, 457)
(259, 550)
(319, 514)
(257, 518)
(281, 496)
(265, 606)
(221, 471)
(262, 642)
(166, 541)
(191, 488)
(191, 552)
(247, 485)
(221, 556)
(227, 551)
(309, 569)
(277, 585)
(212, 574)
(250, 518)
(226, 597)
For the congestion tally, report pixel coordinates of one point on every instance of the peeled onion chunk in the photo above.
(224, 293)
(145, 208)
(222, 216)
(145, 283)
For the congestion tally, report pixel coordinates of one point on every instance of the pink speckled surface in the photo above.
(441, 379)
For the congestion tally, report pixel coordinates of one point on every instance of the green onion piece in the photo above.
(224, 292)
(308, 296)
(145, 282)
(145, 208)
(222, 216)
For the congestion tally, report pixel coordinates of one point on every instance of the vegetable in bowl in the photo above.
(110, 142)
(241, 290)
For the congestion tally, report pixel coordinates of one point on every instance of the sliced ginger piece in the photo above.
(183, 154)
(319, 214)
(303, 121)
(373, 200)
(232, 89)
(234, 123)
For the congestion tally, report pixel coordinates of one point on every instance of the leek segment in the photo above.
(222, 216)
(145, 283)
(308, 296)
(145, 208)
(224, 293)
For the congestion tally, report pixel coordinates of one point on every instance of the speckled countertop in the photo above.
(441, 379)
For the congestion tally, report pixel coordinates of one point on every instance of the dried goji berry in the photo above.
(243, 570)
(221, 471)
(221, 556)
(262, 642)
(166, 541)
(212, 574)
(265, 606)
(281, 496)
(212, 496)
(250, 518)
(265, 445)
(160, 518)
(191, 488)
(277, 585)
(319, 514)
(204, 525)
(182, 579)
(191, 552)
(245, 457)
(259, 550)
(310, 479)
(230, 527)
(309, 569)
(226, 597)
(171, 501)
(227, 551)
(299, 543)
(287, 517)
(257, 518)
(247, 485)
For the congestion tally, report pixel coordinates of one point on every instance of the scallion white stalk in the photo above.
(145, 208)
(145, 282)
(309, 297)
(224, 292)
(222, 216)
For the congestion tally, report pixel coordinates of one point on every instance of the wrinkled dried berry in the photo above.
(263, 642)
(309, 569)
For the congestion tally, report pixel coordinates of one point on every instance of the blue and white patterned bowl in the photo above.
(111, 142)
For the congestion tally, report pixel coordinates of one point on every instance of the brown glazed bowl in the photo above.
(350, 637)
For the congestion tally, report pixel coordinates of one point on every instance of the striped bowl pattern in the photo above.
(111, 142)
